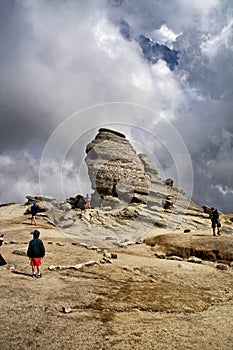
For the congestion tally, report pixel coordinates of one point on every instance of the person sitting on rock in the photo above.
(214, 216)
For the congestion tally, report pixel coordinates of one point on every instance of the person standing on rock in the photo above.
(36, 252)
(101, 202)
(214, 216)
(34, 211)
(88, 202)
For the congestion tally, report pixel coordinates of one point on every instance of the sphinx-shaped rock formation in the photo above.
(115, 170)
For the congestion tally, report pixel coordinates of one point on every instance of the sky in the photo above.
(70, 67)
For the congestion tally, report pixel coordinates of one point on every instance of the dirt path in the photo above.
(137, 302)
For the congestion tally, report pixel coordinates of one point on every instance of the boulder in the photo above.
(194, 260)
(221, 266)
(160, 255)
(169, 182)
(21, 251)
(77, 202)
(186, 267)
(66, 309)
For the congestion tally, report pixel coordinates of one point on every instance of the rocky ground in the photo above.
(147, 298)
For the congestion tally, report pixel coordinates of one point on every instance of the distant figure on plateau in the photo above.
(88, 201)
(214, 216)
(36, 252)
(2, 260)
(1, 239)
(34, 211)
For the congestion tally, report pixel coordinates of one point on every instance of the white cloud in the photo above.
(224, 191)
(224, 40)
(107, 38)
(165, 36)
(166, 87)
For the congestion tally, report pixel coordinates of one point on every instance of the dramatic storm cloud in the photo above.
(70, 67)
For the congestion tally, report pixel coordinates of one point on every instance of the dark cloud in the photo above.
(153, 52)
(125, 30)
(61, 57)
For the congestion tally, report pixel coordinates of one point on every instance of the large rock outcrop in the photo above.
(128, 200)
(115, 170)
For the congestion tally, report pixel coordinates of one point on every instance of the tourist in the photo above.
(88, 202)
(34, 210)
(214, 216)
(36, 252)
(101, 202)
(2, 260)
(1, 239)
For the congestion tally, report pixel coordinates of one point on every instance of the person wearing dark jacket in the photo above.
(34, 210)
(214, 216)
(36, 252)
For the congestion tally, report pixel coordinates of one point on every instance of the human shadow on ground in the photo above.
(22, 273)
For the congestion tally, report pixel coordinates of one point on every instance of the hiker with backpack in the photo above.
(215, 222)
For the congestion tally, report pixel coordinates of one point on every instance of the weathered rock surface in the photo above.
(194, 247)
(115, 169)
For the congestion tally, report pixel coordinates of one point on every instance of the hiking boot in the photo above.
(39, 275)
(33, 275)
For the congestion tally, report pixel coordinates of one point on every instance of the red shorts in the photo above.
(35, 261)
